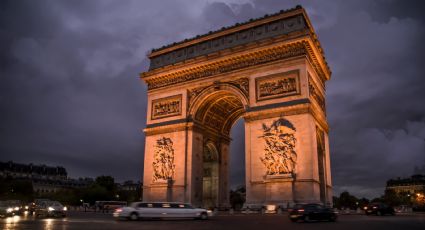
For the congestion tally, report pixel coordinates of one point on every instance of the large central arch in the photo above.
(271, 72)
(214, 111)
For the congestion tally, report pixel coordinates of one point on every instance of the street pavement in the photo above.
(90, 220)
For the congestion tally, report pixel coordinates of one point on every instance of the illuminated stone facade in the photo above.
(271, 72)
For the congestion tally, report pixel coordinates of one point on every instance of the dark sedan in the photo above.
(312, 212)
(379, 209)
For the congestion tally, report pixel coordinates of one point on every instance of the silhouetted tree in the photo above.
(107, 182)
(237, 197)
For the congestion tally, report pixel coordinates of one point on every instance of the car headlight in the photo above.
(51, 209)
(65, 208)
(9, 210)
(26, 207)
(16, 208)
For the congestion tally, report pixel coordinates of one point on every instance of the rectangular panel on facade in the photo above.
(166, 107)
(277, 85)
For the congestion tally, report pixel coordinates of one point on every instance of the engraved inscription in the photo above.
(280, 156)
(166, 107)
(277, 85)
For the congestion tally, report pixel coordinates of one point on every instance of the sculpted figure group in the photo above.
(163, 163)
(280, 156)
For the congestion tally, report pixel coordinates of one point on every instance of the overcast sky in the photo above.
(70, 94)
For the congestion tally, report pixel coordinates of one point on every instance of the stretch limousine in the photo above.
(139, 210)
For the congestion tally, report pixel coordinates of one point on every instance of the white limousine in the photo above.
(139, 210)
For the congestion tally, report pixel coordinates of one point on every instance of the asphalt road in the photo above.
(81, 220)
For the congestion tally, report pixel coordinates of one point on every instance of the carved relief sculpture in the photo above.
(166, 107)
(316, 95)
(163, 162)
(292, 50)
(277, 85)
(242, 84)
(280, 156)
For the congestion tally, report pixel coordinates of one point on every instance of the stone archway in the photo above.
(271, 72)
(214, 109)
(210, 176)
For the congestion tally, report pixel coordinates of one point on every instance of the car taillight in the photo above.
(300, 210)
(118, 210)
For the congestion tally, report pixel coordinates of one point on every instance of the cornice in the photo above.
(295, 49)
(228, 30)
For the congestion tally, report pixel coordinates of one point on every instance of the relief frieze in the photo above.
(166, 107)
(293, 50)
(316, 95)
(272, 29)
(280, 156)
(277, 85)
(241, 83)
(163, 160)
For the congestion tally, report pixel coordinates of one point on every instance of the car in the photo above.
(312, 212)
(50, 209)
(379, 209)
(139, 210)
(11, 208)
(5, 209)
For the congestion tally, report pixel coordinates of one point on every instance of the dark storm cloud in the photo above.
(70, 93)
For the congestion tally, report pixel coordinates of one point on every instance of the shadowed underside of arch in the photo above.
(219, 111)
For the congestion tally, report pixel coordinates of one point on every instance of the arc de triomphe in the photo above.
(270, 71)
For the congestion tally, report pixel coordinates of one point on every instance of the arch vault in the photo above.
(271, 72)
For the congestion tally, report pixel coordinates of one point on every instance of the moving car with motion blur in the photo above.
(5, 209)
(50, 209)
(11, 208)
(312, 212)
(139, 210)
(379, 209)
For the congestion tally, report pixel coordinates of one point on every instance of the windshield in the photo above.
(54, 203)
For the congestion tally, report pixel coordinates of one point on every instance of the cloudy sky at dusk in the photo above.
(70, 94)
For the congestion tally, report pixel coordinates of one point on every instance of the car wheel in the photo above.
(379, 213)
(332, 219)
(307, 218)
(294, 219)
(203, 216)
(134, 216)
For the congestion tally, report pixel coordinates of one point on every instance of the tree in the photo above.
(237, 197)
(346, 200)
(107, 182)
(16, 189)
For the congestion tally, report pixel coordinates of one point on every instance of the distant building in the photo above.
(413, 185)
(30, 171)
(129, 186)
(49, 186)
(45, 179)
